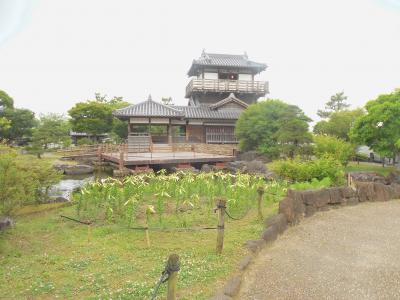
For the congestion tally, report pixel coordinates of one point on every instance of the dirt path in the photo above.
(348, 253)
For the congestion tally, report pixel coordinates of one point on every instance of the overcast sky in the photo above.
(56, 53)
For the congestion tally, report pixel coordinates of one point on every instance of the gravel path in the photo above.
(347, 253)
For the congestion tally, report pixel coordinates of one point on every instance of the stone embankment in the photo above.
(296, 205)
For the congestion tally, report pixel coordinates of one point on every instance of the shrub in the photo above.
(333, 146)
(298, 170)
(315, 184)
(84, 141)
(23, 179)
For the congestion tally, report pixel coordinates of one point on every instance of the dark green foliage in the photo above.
(95, 117)
(380, 127)
(51, 129)
(21, 122)
(5, 100)
(273, 127)
(339, 123)
(337, 103)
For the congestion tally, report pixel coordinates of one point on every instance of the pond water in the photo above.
(71, 183)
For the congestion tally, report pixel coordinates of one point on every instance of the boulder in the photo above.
(78, 169)
(383, 192)
(347, 192)
(232, 287)
(394, 177)
(365, 191)
(6, 222)
(270, 234)
(278, 220)
(335, 195)
(244, 262)
(310, 210)
(286, 208)
(255, 245)
(206, 168)
(367, 177)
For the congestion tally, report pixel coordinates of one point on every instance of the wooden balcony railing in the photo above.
(231, 86)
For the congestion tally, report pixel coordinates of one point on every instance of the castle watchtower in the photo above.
(215, 76)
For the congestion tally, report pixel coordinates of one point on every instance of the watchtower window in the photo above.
(228, 76)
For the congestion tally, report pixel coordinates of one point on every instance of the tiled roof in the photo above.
(148, 108)
(204, 112)
(225, 60)
(151, 108)
(230, 98)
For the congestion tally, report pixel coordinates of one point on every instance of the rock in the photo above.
(352, 201)
(382, 192)
(335, 196)
(347, 192)
(396, 190)
(394, 177)
(278, 220)
(6, 222)
(365, 191)
(286, 208)
(270, 234)
(248, 156)
(255, 245)
(232, 287)
(367, 177)
(310, 210)
(61, 199)
(206, 168)
(244, 262)
(78, 169)
(250, 167)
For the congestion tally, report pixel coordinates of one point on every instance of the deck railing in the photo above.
(222, 85)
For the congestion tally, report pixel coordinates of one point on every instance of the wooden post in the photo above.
(173, 266)
(221, 205)
(260, 191)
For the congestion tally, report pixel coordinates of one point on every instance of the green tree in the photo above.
(95, 116)
(5, 100)
(337, 103)
(339, 123)
(20, 124)
(380, 127)
(333, 146)
(51, 129)
(273, 127)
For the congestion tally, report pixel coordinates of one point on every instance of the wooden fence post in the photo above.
(173, 266)
(260, 191)
(221, 205)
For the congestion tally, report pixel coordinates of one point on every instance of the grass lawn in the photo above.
(370, 167)
(47, 257)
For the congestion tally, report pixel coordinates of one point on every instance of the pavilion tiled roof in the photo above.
(148, 108)
(225, 60)
(151, 108)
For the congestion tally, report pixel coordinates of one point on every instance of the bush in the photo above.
(23, 179)
(315, 184)
(297, 170)
(84, 141)
(333, 146)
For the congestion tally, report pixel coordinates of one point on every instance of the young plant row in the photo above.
(181, 198)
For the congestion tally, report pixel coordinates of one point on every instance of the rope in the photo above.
(237, 219)
(75, 220)
(169, 268)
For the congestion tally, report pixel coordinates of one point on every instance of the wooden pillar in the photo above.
(121, 158)
(173, 266)
(169, 132)
(221, 206)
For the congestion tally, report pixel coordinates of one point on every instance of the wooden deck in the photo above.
(164, 158)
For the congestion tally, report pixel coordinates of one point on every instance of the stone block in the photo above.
(232, 287)
(279, 220)
(270, 234)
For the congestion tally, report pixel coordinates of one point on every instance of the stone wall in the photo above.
(299, 204)
(221, 149)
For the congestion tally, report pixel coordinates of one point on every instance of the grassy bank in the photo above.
(369, 167)
(46, 256)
